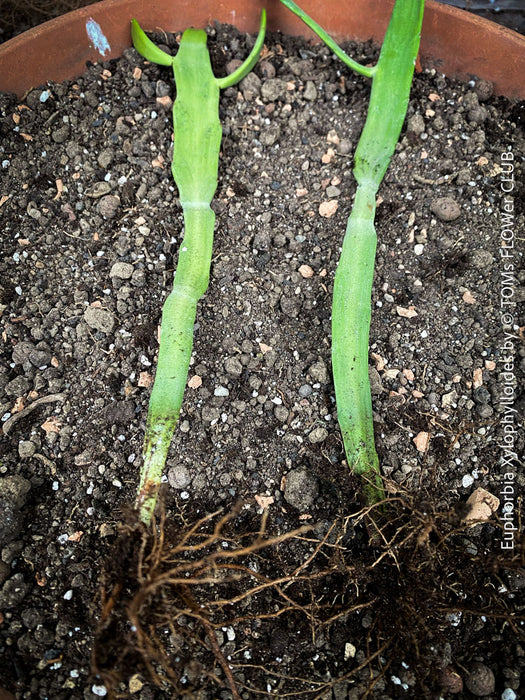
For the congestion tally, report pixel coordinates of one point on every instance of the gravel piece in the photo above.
(376, 385)
(416, 124)
(345, 147)
(310, 91)
(250, 86)
(446, 209)
(281, 413)
(21, 352)
(13, 592)
(484, 89)
(108, 206)
(122, 270)
(98, 189)
(61, 134)
(301, 489)
(273, 89)
(480, 680)
(105, 158)
(179, 477)
(318, 372)
(233, 366)
(480, 259)
(332, 191)
(19, 386)
(267, 69)
(26, 449)
(13, 493)
(318, 435)
(270, 135)
(99, 319)
(210, 413)
(39, 357)
(481, 395)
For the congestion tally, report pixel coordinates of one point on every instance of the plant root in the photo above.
(170, 591)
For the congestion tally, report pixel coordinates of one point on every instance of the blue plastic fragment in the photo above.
(98, 38)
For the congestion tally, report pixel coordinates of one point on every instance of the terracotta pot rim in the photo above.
(455, 42)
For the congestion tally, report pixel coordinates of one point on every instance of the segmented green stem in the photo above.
(351, 313)
(196, 145)
(351, 305)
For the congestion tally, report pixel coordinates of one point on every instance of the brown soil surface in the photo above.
(91, 226)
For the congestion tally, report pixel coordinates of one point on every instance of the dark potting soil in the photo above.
(426, 607)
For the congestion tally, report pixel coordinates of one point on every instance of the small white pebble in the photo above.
(454, 619)
(221, 391)
(424, 334)
(277, 400)
(467, 481)
(55, 486)
(74, 673)
(144, 361)
(99, 690)
(508, 694)
(418, 249)
(184, 495)
(68, 595)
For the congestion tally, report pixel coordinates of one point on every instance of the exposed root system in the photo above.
(173, 596)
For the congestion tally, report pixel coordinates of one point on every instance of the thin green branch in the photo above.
(243, 70)
(367, 71)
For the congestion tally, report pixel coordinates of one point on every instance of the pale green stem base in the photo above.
(351, 311)
(176, 342)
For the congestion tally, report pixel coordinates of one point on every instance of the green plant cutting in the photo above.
(196, 143)
(351, 303)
